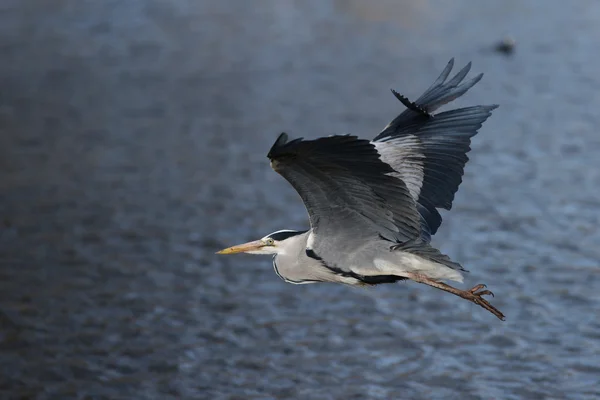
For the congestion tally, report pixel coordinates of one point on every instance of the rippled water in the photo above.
(133, 138)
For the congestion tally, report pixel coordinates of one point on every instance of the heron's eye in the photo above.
(270, 242)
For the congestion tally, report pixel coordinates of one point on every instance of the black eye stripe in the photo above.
(279, 236)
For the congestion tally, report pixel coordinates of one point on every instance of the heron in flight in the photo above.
(373, 204)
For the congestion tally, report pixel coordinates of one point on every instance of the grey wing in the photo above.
(345, 188)
(428, 151)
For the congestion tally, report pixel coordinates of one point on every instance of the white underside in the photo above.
(412, 264)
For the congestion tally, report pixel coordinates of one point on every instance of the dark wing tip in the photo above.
(279, 143)
(477, 78)
(411, 105)
(488, 109)
(282, 147)
(444, 75)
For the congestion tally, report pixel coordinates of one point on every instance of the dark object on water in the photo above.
(506, 46)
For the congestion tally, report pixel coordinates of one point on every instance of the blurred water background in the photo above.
(133, 140)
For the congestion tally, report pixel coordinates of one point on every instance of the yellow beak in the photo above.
(242, 248)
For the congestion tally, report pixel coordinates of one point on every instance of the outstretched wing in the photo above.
(346, 190)
(429, 151)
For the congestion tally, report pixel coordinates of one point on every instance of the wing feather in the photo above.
(430, 152)
(346, 189)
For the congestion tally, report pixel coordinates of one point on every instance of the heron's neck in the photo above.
(293, 265)
(294, 246)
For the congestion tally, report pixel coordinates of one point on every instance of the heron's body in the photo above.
(373, 205)
(371, 263)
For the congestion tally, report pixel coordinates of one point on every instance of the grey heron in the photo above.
(373, 204)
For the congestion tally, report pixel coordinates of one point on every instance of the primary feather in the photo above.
(429, 153)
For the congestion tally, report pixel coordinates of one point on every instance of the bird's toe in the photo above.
(477, 288)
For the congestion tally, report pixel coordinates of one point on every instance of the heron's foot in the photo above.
(475, 295)
(477, 290)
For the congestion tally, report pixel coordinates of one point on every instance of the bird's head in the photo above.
(273, 243)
